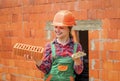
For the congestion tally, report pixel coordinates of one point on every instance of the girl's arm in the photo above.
(45, 64)
(78, 63)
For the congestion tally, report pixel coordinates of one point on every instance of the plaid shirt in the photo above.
(61, 50)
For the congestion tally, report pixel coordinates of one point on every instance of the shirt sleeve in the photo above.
(46, 60)
(79, 68)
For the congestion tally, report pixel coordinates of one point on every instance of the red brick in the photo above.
(13, 70)
(48, 8)
(36, 9)
(113, 55)
(22, 64)
(56, 7)
(57, 1)
(97, 4)
(21, 71)
(5, 69)
(3, 26)
(9, 3)
(8, 33)
(116, 66)
(92, 14)
(15, 40)
(106, 24)
(34, 17)
(113, 76)
(85, 4)
(107, 64)
(105, 13)
(2, 33)
(41, 1)
(119, 76)
(104, 75)
(14, 26)
(100, 14)
(81, 14)
(96, 66)
(1, 74)
(27, 9)
(1, 69)
(17, 17)
(30, 73)
(115, 4)
(94, 34)
(114, 23)
(25, 2)
(96, 45)
(4, 76)
(103, 55)
(94, 54)
(112, 12)
(17, 10)
(97, 80)
(9, 62)
(8, 76)
(112, 33)
(105, 33)
(118, 33)
(94, 73)
(70, 6)
(95, 14)
(106, 3)
(111, 28)
(5, 18)
(5, 54)
(26, 17)
(19, 78)
(6, 11)
(6, 44)
(39, 74)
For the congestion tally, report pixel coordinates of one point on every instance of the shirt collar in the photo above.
(55, 41)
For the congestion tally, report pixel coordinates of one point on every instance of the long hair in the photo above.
(70, 34)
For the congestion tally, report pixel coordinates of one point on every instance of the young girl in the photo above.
(57, 63)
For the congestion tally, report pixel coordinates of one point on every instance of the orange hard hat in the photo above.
(64, 18)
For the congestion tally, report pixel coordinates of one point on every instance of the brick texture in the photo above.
(24, 21)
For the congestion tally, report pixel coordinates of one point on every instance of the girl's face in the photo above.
(61, 31)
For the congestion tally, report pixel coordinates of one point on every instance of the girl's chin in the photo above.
(58, 36)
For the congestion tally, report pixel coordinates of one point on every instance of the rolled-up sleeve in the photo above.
(46, 60)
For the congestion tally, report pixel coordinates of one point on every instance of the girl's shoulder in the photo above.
(79, 46)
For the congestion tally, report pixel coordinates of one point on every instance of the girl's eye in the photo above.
(55, 26)
(61, 28)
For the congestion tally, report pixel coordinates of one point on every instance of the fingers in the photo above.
(28, 57)
(78, 55)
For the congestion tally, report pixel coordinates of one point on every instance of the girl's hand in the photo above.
(30, 57)
(76, 57)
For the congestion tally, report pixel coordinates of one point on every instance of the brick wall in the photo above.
(24, 21)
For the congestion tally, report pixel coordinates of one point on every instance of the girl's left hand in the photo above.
(77, 57)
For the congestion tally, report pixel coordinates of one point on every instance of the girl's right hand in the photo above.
(30, 57)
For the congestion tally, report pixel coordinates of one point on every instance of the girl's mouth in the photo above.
(58, 33)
